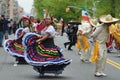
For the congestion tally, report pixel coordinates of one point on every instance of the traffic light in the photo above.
(67, 9)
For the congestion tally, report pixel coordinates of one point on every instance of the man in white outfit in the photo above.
(101, 36)
(83, 33)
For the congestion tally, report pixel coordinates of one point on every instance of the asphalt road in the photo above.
(75, 71)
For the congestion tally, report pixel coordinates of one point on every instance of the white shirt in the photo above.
(49, 30)
(101, 34)
(35, 25)
(26, 30)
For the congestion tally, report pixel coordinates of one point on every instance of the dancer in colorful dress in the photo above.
(14, 47)
(41, 51)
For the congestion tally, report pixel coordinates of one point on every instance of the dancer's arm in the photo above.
(43, 38)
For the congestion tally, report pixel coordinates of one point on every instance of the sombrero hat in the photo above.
(108, 19)
(55, 20)
(94, 22)
(74, 22)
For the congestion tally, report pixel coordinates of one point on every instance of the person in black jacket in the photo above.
(71, 32)
(1, 31)
(15, 26)
(63, 25)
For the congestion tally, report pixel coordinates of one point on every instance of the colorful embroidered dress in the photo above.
(45, 53)
(14, 46)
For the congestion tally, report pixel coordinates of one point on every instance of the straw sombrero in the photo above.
(74, 22)
(94, 22)
(108, 19)
(55, 20)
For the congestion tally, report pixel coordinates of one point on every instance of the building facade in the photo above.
(33, 12)
(9, 8)
(0, 6)
(5, 8)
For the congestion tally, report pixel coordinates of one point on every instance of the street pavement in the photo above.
(77, 70)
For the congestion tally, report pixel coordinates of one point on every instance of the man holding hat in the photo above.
(83, 33)
(101, 36)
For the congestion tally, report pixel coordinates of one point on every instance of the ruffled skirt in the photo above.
(46, 53)
(14, 47)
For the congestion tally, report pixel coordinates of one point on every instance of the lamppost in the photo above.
(78, 7)
(69, 8)
(94, 7)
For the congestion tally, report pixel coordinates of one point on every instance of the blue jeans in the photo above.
(1, 38)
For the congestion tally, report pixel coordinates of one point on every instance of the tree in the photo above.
(57, 8)
(108, 7)
(117, 8)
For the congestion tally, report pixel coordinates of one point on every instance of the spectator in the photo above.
(14, 27)
(1, 31)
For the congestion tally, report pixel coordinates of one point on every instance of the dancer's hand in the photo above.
(38, 41)
(80, 31)
(39, 36)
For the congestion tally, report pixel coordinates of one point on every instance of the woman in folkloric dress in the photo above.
(40, 49)
(14, 47)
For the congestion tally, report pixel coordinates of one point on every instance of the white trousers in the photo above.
(100, 64)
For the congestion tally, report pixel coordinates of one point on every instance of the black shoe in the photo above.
(1, 46)
(109, 51)
(65, 45)
(82, 60)
(70, 49)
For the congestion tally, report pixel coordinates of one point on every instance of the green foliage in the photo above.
(117, 8)
(57, 8)
(108, 7)
(104, 7)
